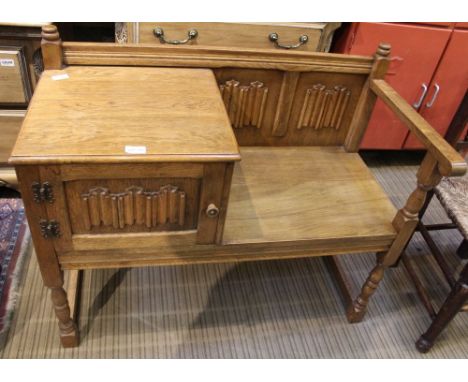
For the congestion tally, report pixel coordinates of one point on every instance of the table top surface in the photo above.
(132, 114)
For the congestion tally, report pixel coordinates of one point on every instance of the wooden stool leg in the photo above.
(448, 311)
(462, 250)
(68, 331)
(357, 310)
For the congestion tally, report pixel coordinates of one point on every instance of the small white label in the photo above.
(135, 149)
(7, 62)
(58, 77)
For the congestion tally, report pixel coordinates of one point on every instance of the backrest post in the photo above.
(458, 124)
(51, 46)
(367, 100)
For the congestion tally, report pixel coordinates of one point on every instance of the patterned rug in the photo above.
(14, 242)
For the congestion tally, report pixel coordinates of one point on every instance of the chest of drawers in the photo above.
(312, 37)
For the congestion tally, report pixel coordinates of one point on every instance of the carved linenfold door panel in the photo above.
(323, 107)
(134, 206)
(245, 104)
(126, 205)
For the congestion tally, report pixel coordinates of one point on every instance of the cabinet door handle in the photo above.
(192, 34)
(436, 93)
(274, 37)
(417, 104)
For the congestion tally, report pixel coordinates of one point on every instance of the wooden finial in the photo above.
(51, 46)
(384, 49)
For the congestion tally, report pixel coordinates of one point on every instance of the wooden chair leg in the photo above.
(462, 250)
(68, 330)
(420, 290)
(357, 310)
(449, 309)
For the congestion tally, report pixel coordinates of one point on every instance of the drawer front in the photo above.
(115, 206)
(10, 124)
(242, 35)
(15, 85)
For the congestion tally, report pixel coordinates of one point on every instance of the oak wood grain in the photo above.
(177, 114)
(10, 122)
(299, 193)
(51, 47)
(130, 193)
(79, 53)
(367, 99)
(250, 35)
(131, 171)
(45, 251)
(203, 254)
(85, 242)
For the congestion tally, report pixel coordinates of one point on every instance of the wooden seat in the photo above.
(324, 195)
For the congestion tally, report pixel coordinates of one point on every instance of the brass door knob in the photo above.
(212, 211)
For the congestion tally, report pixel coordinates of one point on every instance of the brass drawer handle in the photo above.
(274, 39)
(159, 33)
(212, 211)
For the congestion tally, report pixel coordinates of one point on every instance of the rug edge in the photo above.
(14, 295)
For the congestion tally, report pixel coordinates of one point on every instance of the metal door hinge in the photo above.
(42, 192)
(49, 229)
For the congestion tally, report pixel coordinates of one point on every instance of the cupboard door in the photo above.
(416, 50)
(451, 78)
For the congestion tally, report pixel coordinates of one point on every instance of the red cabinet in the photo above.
(423, 56)
(447, 87)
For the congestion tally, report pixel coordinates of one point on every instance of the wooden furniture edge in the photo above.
(171, 253)
(367, 99)
(450, 161)
(8, 178)
(100, 259)
(78, 53)
(96, 159)
(73, 292)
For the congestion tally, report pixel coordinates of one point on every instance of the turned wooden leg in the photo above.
(47, 259)
(357, 310)
(451, 306)
(462, 250)
(405, 223)
(68, 331)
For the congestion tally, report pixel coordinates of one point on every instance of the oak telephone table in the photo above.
(128, 157)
